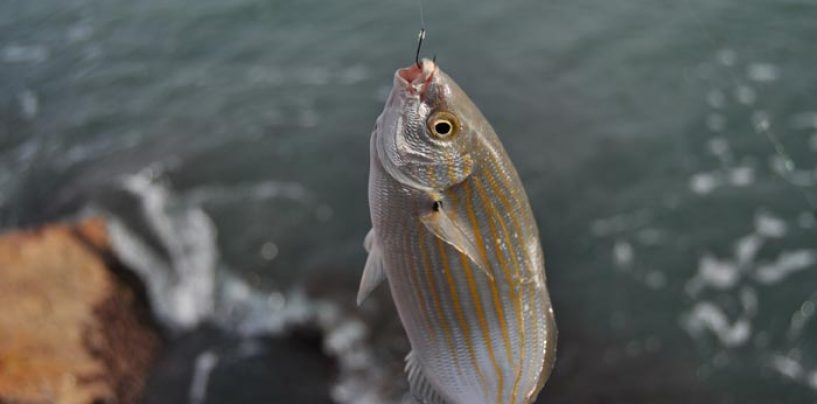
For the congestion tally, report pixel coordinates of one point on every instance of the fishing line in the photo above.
(422, 15)
(763, 127)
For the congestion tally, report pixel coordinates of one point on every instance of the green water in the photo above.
(669, 149)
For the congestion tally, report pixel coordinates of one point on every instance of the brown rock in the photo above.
(73, 327)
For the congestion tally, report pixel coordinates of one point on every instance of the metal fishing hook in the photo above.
(420, 37)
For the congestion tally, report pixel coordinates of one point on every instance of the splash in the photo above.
(171, 245)
(180, 279)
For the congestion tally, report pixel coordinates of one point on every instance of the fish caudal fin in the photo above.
(422, 390)
(373, 273)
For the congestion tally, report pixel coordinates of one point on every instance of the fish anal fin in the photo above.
(442, 225)
(368, 240)
(373, 272)
(550, 354)
(420, 387)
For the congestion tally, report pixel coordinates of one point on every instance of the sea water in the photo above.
(669, 150)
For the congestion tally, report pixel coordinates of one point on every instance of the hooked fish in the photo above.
(454, 235)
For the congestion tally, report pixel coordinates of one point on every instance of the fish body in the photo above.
(454, 235)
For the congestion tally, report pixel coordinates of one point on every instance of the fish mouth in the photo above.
(415, 79)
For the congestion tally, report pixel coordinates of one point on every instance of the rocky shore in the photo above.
(74, 326)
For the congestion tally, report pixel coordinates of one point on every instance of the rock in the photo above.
(74, 326)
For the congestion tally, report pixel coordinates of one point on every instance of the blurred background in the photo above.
(668, 148)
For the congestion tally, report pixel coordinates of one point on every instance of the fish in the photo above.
(454, 236)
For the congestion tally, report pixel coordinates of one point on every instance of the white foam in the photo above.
(781, 165)
(727, 273)
(706, 316)
(269, 251)
(749, 300)
(27, 151)
(761, 121)
(742, 176)
(24, 54)
(182, 285)
(183, 293)
(623, 254)
(803, 178)
(251, 311)
(345, 336)
(29, 104)
(768, 225)
(619, 223)
(80, 32)
(746, 249)
(786, 264)
(704, 183)
(718, 146)
(787, 366)
(763, 72)
(799, 319)
(745, 95)
(205, 363)
(716, 273)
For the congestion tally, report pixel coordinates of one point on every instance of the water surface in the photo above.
(669, 150)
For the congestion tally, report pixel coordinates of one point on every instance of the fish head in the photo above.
(428, 128)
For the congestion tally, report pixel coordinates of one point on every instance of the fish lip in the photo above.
(415, 79)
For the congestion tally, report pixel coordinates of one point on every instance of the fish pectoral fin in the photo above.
(373, 273)
(447, 229)
(420, 387)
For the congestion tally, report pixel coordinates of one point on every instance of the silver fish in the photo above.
(454, 234)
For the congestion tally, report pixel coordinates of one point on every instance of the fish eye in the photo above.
(443, 125)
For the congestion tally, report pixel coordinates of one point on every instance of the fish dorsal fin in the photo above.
(447, 228)
(373, 273)
(422, 390)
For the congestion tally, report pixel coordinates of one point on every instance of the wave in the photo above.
(170, 242)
